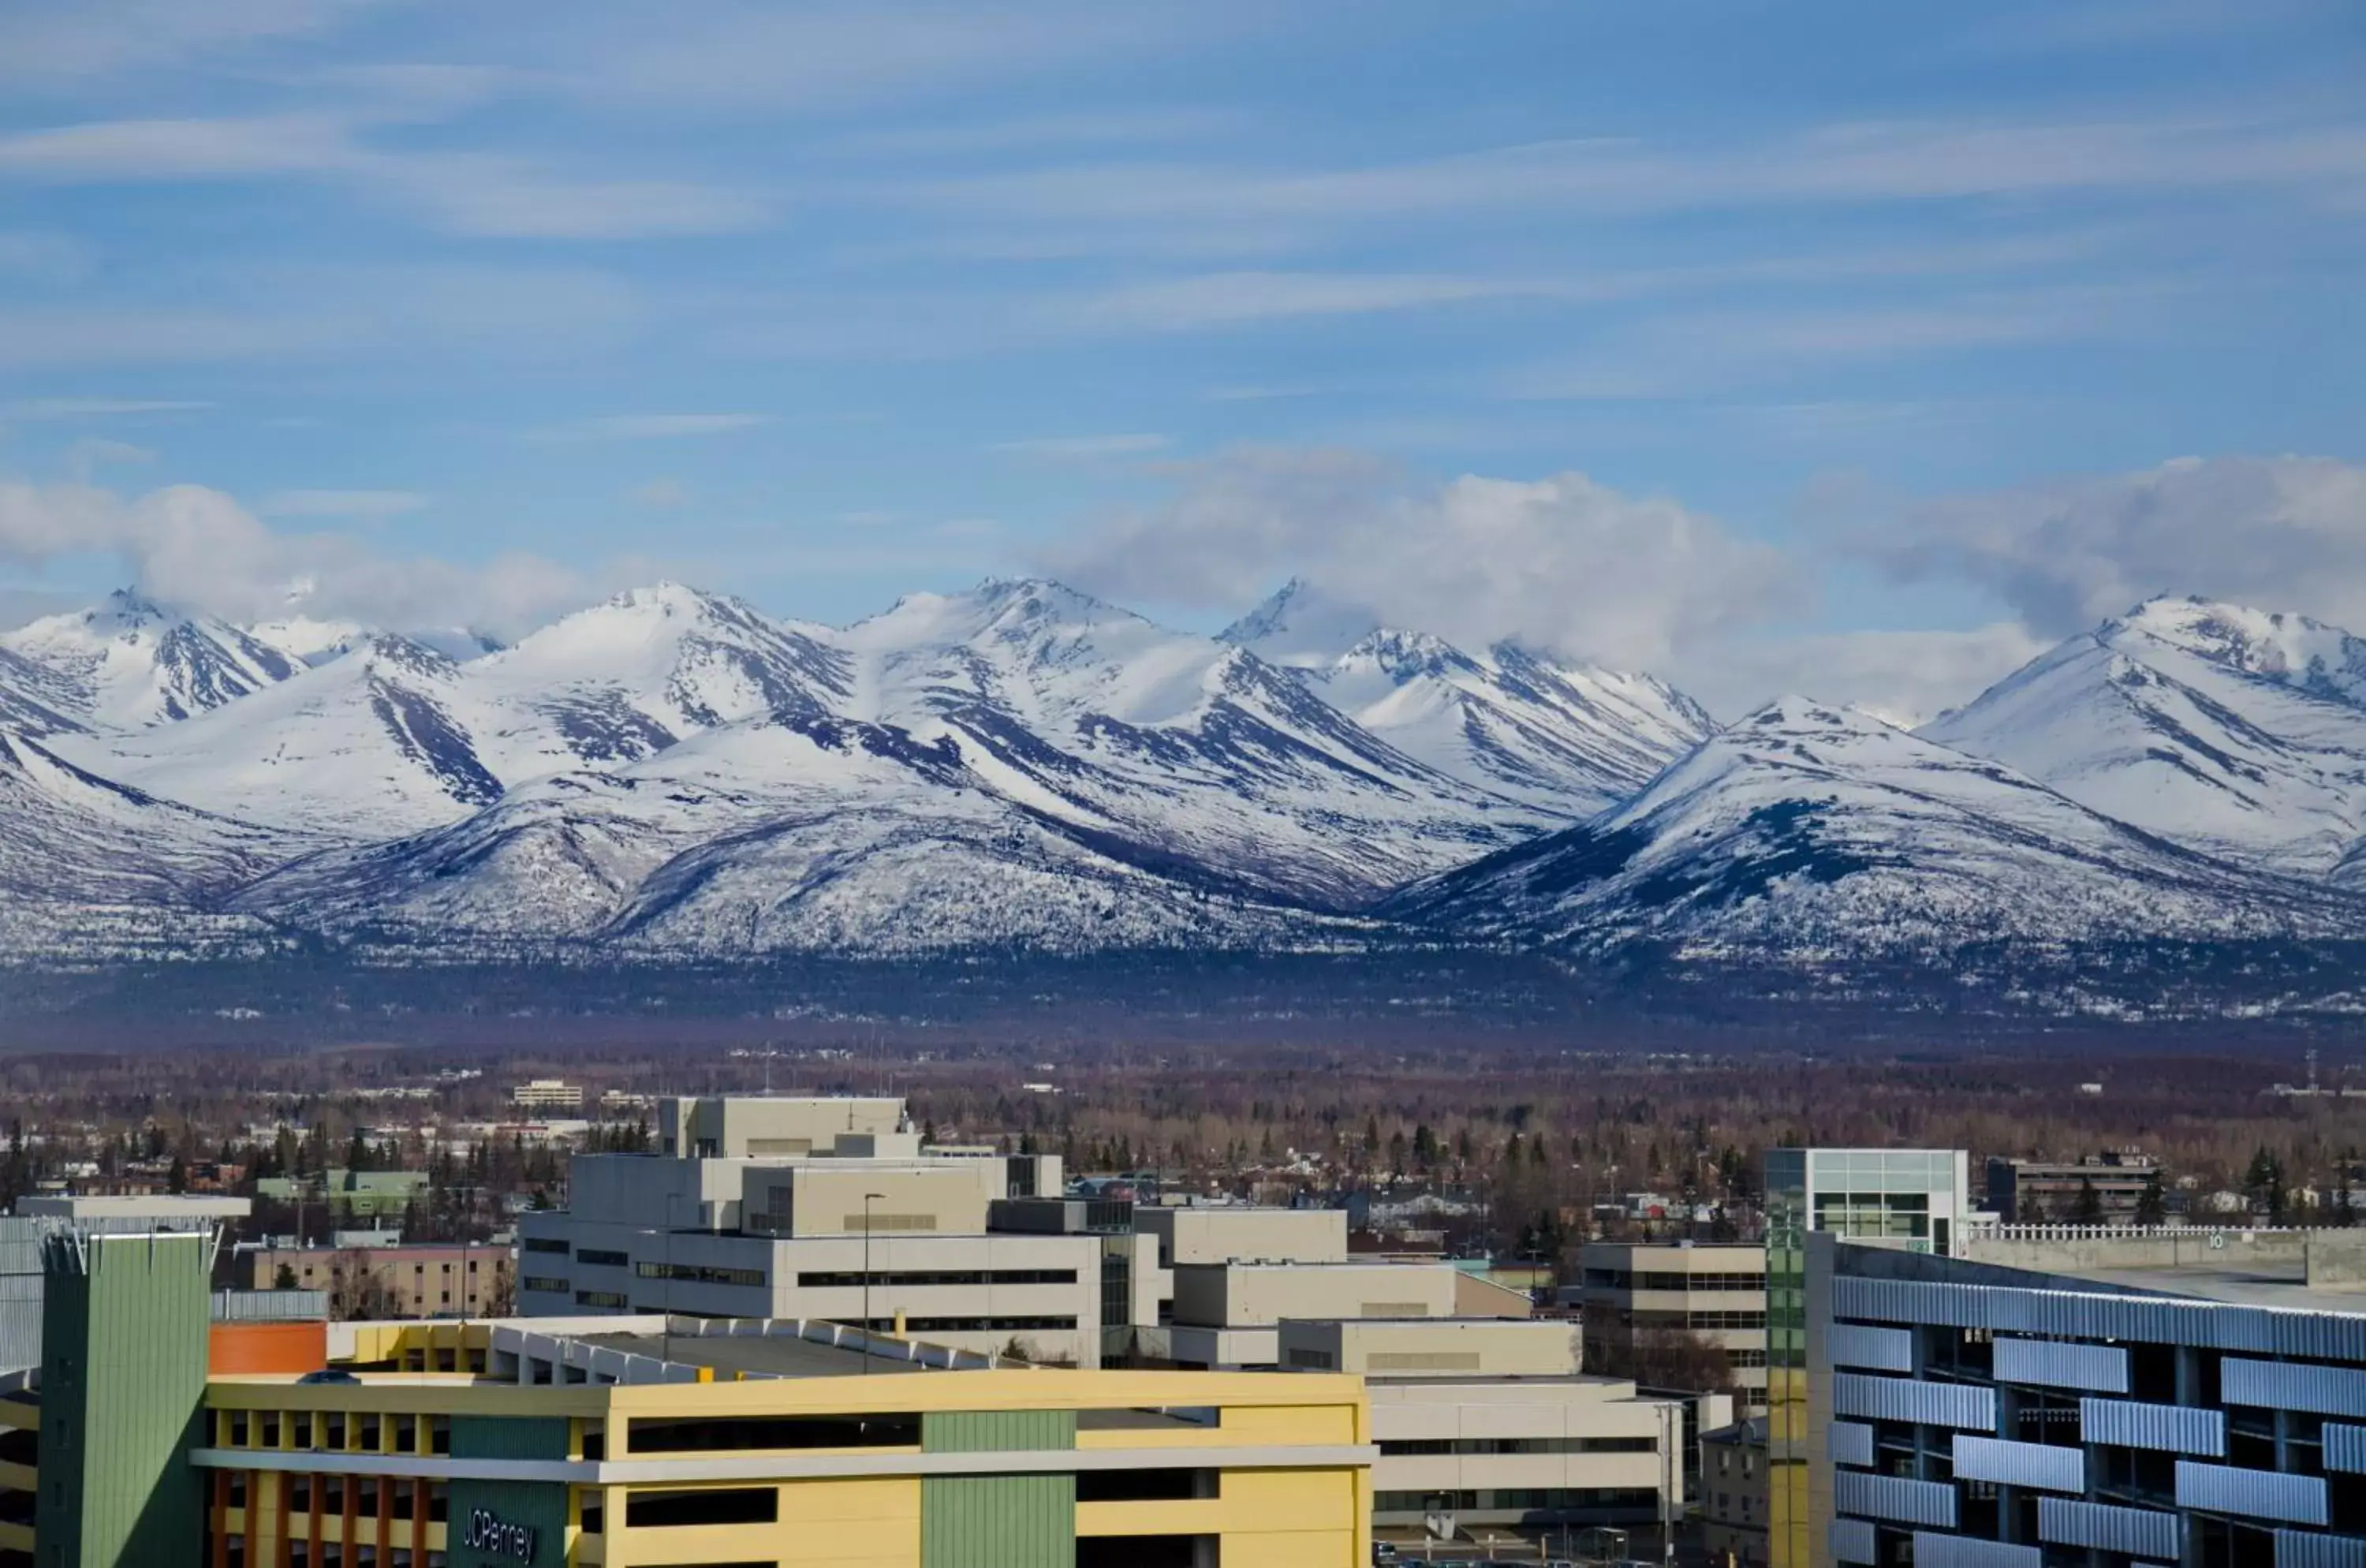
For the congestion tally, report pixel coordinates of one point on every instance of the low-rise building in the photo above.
(350, 1194)
(1638, 1298)
(631, 1441)
(738, 1126)
(1491, 1422)
(1229, 1314)
(2107, 1189)
(430, 1279)
(547, 1094)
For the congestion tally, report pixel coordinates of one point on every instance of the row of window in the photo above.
(812, 1279)
(1466, 1446)
(553, 1245)
(700, 1274)
(330, 1495)
(1693, 1319)
(331, 1431)
(1620, 1279)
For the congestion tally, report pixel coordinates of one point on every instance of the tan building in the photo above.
(1718, 1293)
(1220, 1234)
(1229, 1314)
(758, 1127)
(1492, 1423)
(437, 1280)
(547, 1094)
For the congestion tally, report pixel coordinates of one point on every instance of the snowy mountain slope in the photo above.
(129, 663)
(2237, 732)
(313, 642)
(32, 697)
(394, 737)
(67, 836)
(1563, 739)
(792, 832)
(1808, 830)
(1182, 745)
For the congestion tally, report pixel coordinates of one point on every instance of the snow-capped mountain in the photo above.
(129, 663)
(2232, 732)
(315, 641)
(395, 738)
(1563, 739)
(1811, 830)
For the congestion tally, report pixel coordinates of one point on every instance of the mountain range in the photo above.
(1022, 768)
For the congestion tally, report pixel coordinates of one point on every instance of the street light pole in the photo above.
(1671, 1474)
(868, 1199)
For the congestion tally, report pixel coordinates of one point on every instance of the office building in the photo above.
(1491, 1422)
(1229, 1314)
(1915, 1200)
(2141, 1403)
(430, 1279)
(1633, 1295)
(152, 1437)
(827, 1209)
(547, 1094)
(2109, 1188)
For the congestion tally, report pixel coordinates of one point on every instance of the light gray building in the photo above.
(2148, 1402)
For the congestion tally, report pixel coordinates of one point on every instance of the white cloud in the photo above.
(1082, 448)
(2275, 533)
(198, 547)
(655, 426)
(353, 504)
(93, 408)
(1561, 562)
(1906, 677)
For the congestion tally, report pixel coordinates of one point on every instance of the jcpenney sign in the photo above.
(487, 1531)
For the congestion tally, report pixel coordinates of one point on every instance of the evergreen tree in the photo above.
(2090, 1210)
(2152, 1208)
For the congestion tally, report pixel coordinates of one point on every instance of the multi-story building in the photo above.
(2108, 1188)
(854, 1226)
(1491, 1422)
(547, 1094)
(432, 1280)
(1916, 1200)
(2136, 1405)
(1631, 1293)
(25, 1233)
(350, 1195)
(1229, 1314)
(150, 1437)
(1733, 1494)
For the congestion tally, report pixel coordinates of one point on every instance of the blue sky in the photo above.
(1862, 342)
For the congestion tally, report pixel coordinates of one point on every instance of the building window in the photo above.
(710, 1506)
(372, 1431)
(544, 1244)
(602, 1258)
(725, 1433)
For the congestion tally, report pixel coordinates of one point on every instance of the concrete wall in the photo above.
(827, 1197)
(1216, 1296)
(1482, 1417)
(1223, 1235)
(1441, 1348)
(2321, 1257)
(740, 1126)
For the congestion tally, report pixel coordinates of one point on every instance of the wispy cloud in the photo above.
(94, 408)
(654, 427)
(1074, 448)
(357, 505)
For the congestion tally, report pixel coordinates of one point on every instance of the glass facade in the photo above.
(1910, 1199)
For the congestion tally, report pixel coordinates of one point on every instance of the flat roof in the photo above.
(2233, 1285)
(779, 1355)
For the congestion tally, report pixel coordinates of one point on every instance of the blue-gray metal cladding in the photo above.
(2345, 1448)
(1851, 1541)
(2304, 1549)
(270, 1306)
(2276, 1385)
(2141, 1533)
(1965, 1552)
(2101, 1368)
(2254, 1494)
(1894, 1497)
(20, 1333)
(1883, 1350)
(1968, 1406)
(1849, 1442)
(2019, 1464)
(2079, 1314)
(2125, 1423)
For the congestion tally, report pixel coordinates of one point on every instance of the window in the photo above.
(299, 1494)
(1143, 1486)
(237, 1489)
(710, 1506)
(844, 1279)
(304, 1430)
(270, 1424)
(238, 1429)
(332, 1430)
(600, 1299)
(366, 1496)
(602, 1258)
(725, 1433)
(699, 1273)
(981, 1324)
(373, 1431)
(406, 1434)
(557, 1287)
(439, 1434)
(544, 1244)
(332, 1494)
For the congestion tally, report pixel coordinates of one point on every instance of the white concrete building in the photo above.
(1491, 1422)
(799, 1234)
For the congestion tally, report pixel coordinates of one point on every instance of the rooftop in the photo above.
(2244, 1284)
(772, 1355)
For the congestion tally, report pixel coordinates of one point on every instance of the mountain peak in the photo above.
(1303, 626)
(1793, 714)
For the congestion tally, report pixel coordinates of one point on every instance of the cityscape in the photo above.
(1031, 783)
